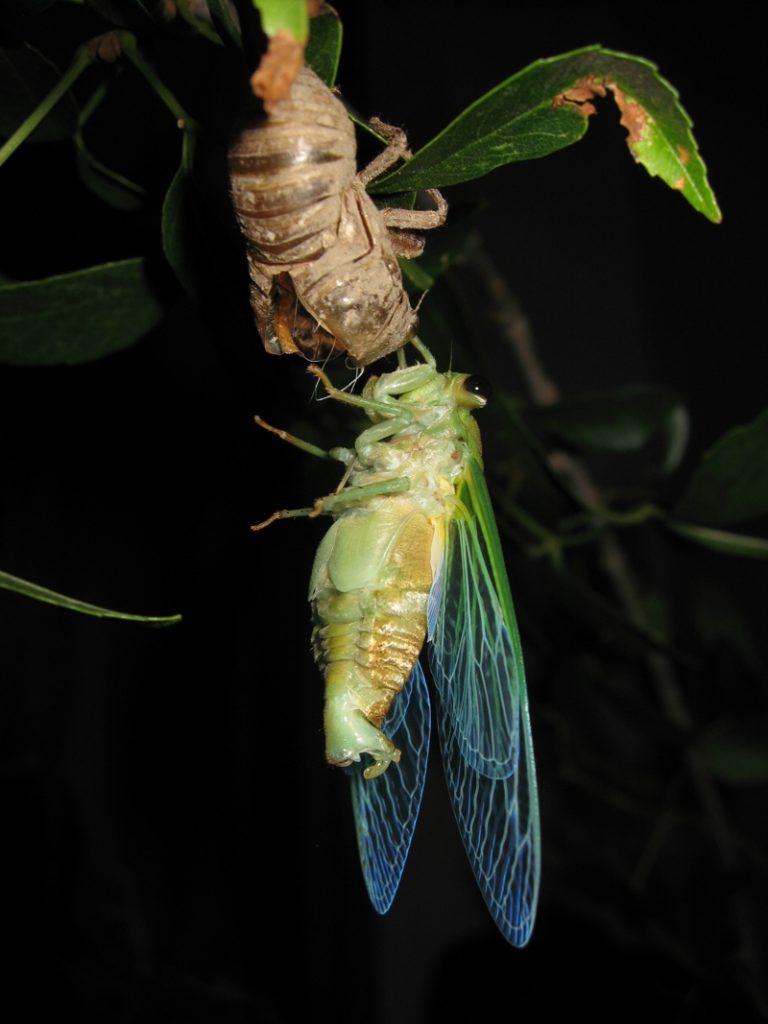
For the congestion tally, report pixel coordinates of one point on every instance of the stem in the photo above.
(92, 104)
(642, 513)
(131, 51)
(83, 59)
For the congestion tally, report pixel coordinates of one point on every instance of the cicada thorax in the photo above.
(369, 589)
(323, 270)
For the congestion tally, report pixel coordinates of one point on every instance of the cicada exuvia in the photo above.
(322, 257)
(414, 554)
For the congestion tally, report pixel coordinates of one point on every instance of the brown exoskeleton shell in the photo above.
(315, 238)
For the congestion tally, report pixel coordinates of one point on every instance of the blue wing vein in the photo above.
(386, 807)
(482, 714)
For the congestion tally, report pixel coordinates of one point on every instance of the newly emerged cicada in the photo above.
(414, 554)
(322, 257)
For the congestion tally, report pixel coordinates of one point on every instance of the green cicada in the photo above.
(414, 554)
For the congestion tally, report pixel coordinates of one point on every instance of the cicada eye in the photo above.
(477, 390)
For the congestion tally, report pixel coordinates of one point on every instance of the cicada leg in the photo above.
(336, 454)
(404, 222)
(424, 352)
(343, 495)
(283, 513)
(394, 415)
(397, 147)
(343, 455)
(384, 388)
(383, 408)
(352, 496)
(332, 503)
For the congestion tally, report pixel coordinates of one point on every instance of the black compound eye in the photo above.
(480, 386)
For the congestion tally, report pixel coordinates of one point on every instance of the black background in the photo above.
(173, 846)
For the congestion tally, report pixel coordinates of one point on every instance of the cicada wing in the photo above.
(476, 656)
(482, 713)
(386, 807)
(497, 821)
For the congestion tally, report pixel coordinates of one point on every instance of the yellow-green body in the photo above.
(375, 567)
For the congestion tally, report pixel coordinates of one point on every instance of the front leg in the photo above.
(396, 149)
(406, 245)
(387, 407)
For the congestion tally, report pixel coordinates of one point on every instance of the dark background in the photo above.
(173, 846)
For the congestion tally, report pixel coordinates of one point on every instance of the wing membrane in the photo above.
(482, 716)
(386, 808)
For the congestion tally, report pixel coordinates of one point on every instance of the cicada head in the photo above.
(470, 392)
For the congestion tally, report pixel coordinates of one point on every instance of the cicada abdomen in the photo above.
(369, 588)
(322, 261)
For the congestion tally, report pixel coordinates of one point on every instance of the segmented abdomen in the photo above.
(369, 627)
(288, 172)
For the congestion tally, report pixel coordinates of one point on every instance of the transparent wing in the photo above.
(482, 713)
(386, 808)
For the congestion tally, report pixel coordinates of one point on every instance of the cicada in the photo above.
(322, 258)
(414, 554)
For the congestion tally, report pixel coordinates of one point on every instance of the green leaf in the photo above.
(26, 78)
(736, 752)
(284, 14)
(173, 227)
(723, 541)
(618, 420)
(730, 485)
(324, 47)
(77, 317)
(52, 597)
(546, 107)
(177, 220)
